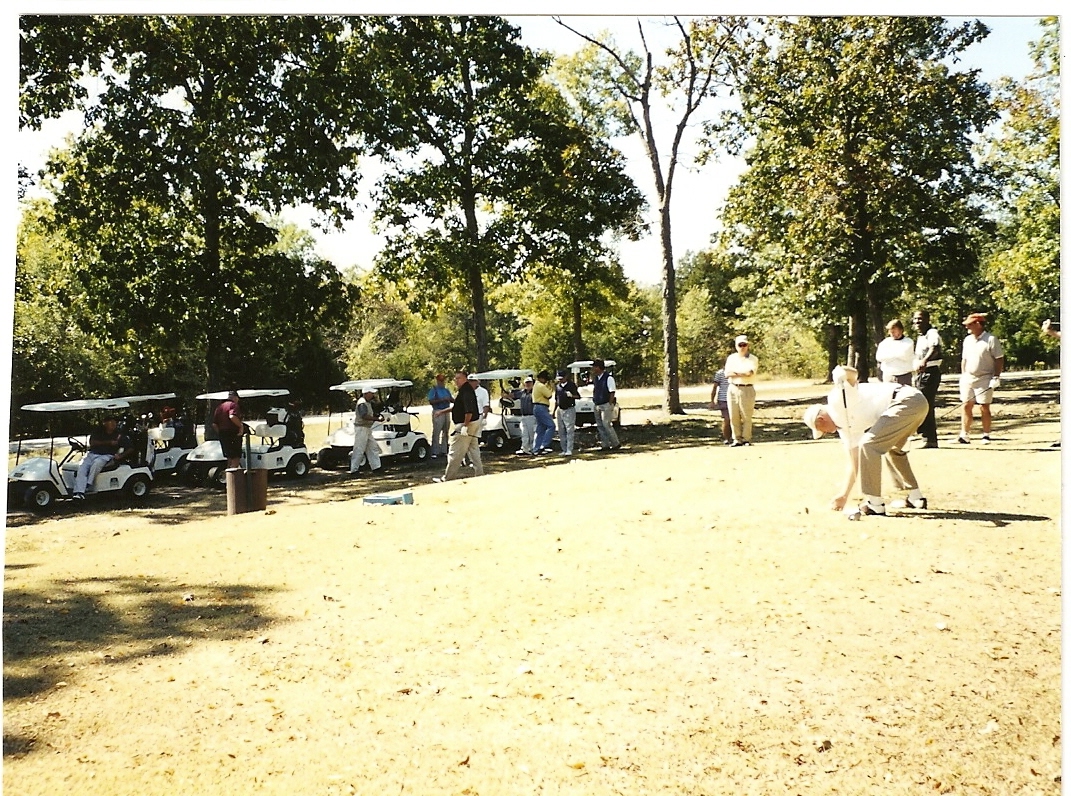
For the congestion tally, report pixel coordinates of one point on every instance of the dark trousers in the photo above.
(928, 382)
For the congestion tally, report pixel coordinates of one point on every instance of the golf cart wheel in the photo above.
(420, 451)
(217, 476)
(40, 497)
(188, 473)
(498, 442)
(298, 466)
(137, 487)
(326, 459)
(616, 422)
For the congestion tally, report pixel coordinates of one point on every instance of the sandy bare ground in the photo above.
(679, 617)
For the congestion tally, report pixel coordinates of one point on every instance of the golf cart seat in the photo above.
(161, 436)
(273, 431)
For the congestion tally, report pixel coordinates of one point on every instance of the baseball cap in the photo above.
(810, 417)
(529, 380)
(741, 339)
(561, 374)
(974, 316)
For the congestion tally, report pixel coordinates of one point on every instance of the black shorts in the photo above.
(232, 445)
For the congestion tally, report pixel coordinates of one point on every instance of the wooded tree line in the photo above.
(879, 178)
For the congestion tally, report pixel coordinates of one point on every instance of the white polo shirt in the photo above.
(980, 354)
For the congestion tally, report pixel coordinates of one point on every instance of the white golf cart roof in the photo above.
(502, 374)
(137, 399)
(78, 405)
(221, 395)
(370, 385)
(582, 364)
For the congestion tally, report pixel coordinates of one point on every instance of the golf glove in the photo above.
(994, 382)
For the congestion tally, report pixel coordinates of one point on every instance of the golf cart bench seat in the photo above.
(161, 434)
(263, 430)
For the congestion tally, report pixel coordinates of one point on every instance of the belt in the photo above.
(734, 384)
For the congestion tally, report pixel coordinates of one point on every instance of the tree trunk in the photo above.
(671, 401)
(578, 338)
(832, 348)
(859, 350)
(876, 312)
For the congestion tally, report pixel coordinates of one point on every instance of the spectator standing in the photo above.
(740, 368)
(928, 372)
(106, 444)
(440, 401)
(229, 427)
(604, 396)
(465, 438)
(896, 354)
(528, 421)
(365, 448)
(566, 394)
(542, 393)
(981, 364)
(719, 399)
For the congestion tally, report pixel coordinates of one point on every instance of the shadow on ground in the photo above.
(50, 631)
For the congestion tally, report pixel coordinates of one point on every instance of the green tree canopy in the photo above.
(861, 177)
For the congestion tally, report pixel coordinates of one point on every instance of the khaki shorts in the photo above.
(975, 388)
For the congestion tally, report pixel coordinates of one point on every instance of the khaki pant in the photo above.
(741, 408)
(885, 441)
(462, 445)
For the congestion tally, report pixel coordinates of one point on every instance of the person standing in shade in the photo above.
(542, 393)
(440, 400)
(927, 372)
(106, 445)
(740, 368)
(465, 438)
(719, 399)
(365, 448)
(604, 396)
(981, 364)
(566, 394)
(229, 427)
(896, 354)
(527, 415)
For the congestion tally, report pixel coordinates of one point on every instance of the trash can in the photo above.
(247, 490)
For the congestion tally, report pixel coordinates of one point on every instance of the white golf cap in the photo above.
(810, 417)
(741, 339)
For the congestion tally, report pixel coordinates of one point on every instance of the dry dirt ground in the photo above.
(679, 617)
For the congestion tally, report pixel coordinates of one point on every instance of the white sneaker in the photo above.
(985, 439)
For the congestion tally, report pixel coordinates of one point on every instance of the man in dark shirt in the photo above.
(106, 444)
(566, 395)
(465, 438)
(228, 425)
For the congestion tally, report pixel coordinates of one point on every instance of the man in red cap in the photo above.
(981, 364)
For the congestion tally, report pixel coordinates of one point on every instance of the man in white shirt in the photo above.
(980, 367)
(874, 421)
(896, 354)
(740, 368)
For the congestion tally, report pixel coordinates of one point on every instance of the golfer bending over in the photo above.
(874, 420)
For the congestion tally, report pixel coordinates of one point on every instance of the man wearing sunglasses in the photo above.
(740, 368)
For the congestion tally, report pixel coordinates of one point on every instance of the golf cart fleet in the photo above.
(585, 407)
(394, 433)
(172, 436)
(279, 445)
(37, 482)
(502, 430)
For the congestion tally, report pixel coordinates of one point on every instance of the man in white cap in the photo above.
(365, 448)
(740, 369)
(874, 421)
(981, 364)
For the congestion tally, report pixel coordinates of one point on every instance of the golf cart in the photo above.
(585, 407)
(37, 482)
(394, 433)
(172, 435)
(501, 430)
(280, 445)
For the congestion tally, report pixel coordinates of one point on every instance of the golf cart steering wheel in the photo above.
(77, 445)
